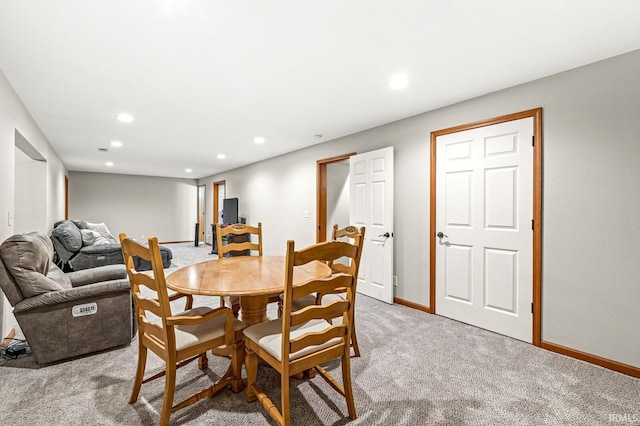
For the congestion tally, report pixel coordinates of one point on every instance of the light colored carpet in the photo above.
(416, 369)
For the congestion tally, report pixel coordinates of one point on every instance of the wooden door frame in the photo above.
(536, 114)
(321, 194)
(216, 188)
(66, 197)
(202, 197)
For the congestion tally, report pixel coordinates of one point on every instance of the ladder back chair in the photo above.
(177, 338)
(242, 248)
(347, 233)
(305, 338)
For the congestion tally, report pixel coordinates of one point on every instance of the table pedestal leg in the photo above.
(253, 309)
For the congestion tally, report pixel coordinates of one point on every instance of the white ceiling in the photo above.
(203, 77)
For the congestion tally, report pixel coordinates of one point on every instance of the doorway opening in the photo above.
(201, 213)
(30, 188)
(330, 195)
(219, 194)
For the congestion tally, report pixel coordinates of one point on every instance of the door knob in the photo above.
(440, 235)
(386, 235)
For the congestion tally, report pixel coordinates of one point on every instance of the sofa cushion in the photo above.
(102, 229)
(81, 224)
(89, 237)
(68, 235)
(27, 258)
(97, 255)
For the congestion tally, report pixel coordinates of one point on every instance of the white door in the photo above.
(484, 213)
(371, 200)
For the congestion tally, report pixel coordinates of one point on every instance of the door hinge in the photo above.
(533, 141)
(533, 225)
(531, 307)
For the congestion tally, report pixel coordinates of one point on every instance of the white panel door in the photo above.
(484, 242)
(371, 199)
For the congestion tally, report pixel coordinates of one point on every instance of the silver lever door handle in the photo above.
(440, 235)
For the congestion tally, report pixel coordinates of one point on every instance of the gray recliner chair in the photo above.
(64, 315)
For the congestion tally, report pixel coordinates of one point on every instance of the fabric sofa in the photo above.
(64, 315)
(82, 245)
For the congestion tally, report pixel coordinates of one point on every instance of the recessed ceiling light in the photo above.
(259, 140)
(116, 143)
(188, 170)
(398, 81)
(221, 156)
(109, 163)
(124, 117)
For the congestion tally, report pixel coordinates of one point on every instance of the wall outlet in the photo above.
(395, 281)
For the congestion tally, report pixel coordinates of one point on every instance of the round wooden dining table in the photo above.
(252, 278)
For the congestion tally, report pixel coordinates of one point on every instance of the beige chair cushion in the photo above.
(190, 335)
(269, 336)
(27, 258)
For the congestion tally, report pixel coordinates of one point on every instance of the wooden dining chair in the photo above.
(348, 233)
(252, 243)
(306, 338)
(177, 338)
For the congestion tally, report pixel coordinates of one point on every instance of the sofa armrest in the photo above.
(96, 275)
(53, 298)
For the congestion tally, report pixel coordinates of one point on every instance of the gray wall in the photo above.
(16, 122)
(30, 196)
(141, 206)
(591, 201)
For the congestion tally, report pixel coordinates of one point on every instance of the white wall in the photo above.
(591, 173)
(141, 206)
(16, 122)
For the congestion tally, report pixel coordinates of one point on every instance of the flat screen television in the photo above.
(230, 210)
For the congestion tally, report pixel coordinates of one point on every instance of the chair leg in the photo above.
(203, 361)
(222, 305)
(236, 310)
(169, 389)
(251, 364)
(237, 359)
(142, 362)
(354, 340)
(284, 398)
(189, 303)
(346, 382)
